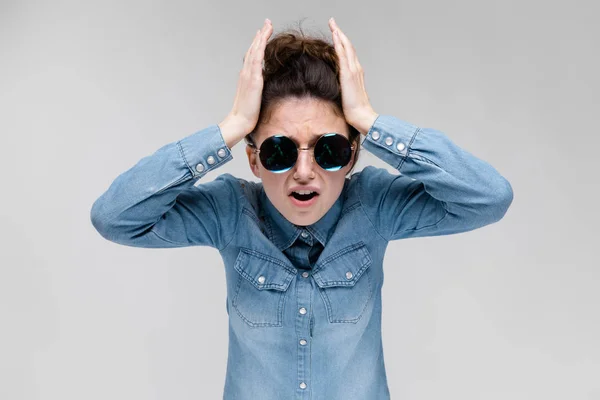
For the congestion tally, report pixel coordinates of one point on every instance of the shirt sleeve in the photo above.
(442, 189)
(161, 202)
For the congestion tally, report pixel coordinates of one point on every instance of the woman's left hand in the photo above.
(355, 102)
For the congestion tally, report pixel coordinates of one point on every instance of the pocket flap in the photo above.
(264, 271)
(343, 268)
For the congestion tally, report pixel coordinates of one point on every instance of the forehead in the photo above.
(303, 120)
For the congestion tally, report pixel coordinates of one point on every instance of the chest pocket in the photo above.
(345, 283)
(260, 290)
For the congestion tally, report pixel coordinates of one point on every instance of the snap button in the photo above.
(210, 160)
(199, 167)
(305, 274)
(349, 275)
(389, 140)
(303, 342)
(400, 146)
(302, 310)
(375, 135)
(304, 234)
(261, 279)
(302, 385)
(221, 153)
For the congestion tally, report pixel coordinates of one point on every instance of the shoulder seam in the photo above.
(363, 206)
(239, 217)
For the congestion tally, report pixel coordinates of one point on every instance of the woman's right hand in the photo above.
(242, 119)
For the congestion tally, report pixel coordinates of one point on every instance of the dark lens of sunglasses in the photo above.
(332, 151)
(278, 153)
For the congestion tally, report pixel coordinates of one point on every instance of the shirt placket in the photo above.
(303, 317)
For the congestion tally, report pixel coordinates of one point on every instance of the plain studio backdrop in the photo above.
(508, 311)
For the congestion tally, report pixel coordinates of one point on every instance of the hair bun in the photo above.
(290, 50)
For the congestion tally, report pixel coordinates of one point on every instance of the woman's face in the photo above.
(304, 121)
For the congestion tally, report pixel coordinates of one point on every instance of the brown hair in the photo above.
(300, 66)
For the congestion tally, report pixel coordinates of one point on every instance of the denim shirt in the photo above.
(303, 303)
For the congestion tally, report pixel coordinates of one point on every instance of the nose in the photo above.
(304, 167)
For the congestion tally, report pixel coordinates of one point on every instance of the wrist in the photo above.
(232, 130)
(364, 122)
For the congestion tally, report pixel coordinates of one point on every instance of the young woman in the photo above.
(303, 248)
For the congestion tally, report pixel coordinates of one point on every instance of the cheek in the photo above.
(274, 182)
(335, 183)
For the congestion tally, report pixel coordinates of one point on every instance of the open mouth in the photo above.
(303, 197)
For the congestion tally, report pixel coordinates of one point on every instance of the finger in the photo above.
(258, 50)
(349, 49)
(347, 46)
(268, 33)
(264, 36)
(249, 51)
(338, 45)
(339, 48)
(256, 42)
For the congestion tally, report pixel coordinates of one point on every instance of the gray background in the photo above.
(509, 311)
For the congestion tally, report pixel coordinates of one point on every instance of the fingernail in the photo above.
(268, 21)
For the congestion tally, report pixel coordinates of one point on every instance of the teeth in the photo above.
(304, 191)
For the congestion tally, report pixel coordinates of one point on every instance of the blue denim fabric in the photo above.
(304, 303)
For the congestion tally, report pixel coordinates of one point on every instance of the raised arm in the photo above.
(159, 202)
(442, 189)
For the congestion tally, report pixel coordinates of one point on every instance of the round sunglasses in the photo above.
(279, 153)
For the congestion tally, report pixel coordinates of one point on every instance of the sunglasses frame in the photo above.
(257, 150)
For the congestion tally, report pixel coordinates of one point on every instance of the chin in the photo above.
(300, 221)
(304, 218)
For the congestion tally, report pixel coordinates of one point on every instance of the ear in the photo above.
(252, 161)
(349, 166)
(352, 157)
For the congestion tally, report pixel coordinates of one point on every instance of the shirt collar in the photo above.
(283, 233)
